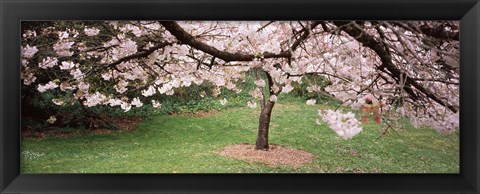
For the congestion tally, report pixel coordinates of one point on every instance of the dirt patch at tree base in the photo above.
(275, 156)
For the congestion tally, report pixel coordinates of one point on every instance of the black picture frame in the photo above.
(12, 12)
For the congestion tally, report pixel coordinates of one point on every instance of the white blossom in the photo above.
(345, 125)
(136, 102)
(252, 104)
(149, 92)
(115, 102)
(311, 102)
(48, 86)
(125, 106)
(223, 101)
(287, 88)
(156, 104)
(57, 102)
(121, 87)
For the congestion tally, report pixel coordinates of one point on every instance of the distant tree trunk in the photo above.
(264, 126)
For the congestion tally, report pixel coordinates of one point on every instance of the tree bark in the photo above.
(264, 126)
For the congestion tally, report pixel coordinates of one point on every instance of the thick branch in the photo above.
(186, 38)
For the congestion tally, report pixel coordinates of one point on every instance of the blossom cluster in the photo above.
(91, 31)
(311, 102)
(28, 51)
(252, 104)
(50, 85)
(345, 125)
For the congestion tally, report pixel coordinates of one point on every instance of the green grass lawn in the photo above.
(186, 144)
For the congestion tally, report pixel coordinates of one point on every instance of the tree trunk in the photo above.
(263, 126)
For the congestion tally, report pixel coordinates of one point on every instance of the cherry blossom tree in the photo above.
(386, 70)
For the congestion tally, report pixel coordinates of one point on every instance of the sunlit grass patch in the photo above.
(189, 144)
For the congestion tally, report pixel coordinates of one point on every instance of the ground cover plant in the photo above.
(135, 95)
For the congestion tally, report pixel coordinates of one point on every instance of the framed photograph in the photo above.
(239, 96)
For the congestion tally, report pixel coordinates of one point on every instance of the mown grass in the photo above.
(186, 144)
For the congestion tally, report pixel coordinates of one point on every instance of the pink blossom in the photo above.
(48, 63)
(77, 74)
(83, 86)
(314, 88)
(287, 88)
(91, 31)
(67, 65)
(94, 99)
(260, 83)
(126, 47)
(256, 93)
(28, 51)
(62, 35)
(121, 86)
(106, 76)
(273, 98)
(62, 48)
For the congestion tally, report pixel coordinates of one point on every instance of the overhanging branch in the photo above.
(386, 59)
(186, 38)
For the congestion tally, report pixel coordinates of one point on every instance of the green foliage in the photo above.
(300, 89)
